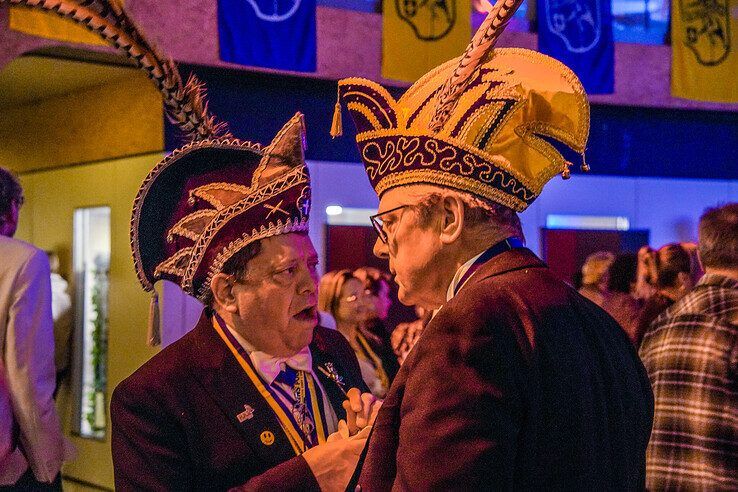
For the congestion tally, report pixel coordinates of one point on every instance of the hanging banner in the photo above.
(51, 26)
(579, 34)
(418, 35)
(268, 33)
(704, 62)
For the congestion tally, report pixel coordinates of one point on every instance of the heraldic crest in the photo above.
(482, 123)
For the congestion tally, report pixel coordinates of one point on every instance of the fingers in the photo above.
(354, 398)
(350, 417)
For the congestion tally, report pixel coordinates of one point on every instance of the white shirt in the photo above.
(269, 367)
(450, 292)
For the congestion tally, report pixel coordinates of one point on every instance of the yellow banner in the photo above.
(51, 26)
(418, 35)
(704, 59)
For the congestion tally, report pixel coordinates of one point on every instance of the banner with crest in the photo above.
(704, 59)
(268, 33)
(579, 34)
(418, 35)
(50, 26)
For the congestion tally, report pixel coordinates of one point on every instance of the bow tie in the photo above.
(270, 367)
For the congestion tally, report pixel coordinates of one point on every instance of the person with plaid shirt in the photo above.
(691, 356)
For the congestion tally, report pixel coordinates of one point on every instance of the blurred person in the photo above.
(670, 274)
(376, 292)
(691, 356)
(406, 335)
(619, 301)
(595, 276)
(342, 295)
(61, 312)
(517, 382)
(32, 447)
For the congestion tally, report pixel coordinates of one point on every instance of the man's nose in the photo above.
(380, 249)
(308, 282)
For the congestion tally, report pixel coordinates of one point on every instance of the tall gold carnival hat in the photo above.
(481, 123)
(209, 199)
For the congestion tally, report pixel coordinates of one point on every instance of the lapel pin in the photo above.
(330, 372)
(248, 413)
(267, 438)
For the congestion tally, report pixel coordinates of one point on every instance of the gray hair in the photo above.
(477, 211)
(718, 232)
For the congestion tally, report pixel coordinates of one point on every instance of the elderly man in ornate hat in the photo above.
(518, 382)
(252, 396)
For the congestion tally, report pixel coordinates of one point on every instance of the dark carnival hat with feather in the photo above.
(210, 198)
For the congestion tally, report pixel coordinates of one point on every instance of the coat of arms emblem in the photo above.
(706, 29)
(577, 22)
(430, 19)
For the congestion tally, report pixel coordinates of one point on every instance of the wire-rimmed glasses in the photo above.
(378, 224)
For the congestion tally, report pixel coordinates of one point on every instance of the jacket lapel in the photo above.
(514, 259)
(226, 382)
(321, 361)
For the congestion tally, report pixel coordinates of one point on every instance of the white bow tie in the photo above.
(270, 367)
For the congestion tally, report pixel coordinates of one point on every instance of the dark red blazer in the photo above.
(175, 425)
(518, 383)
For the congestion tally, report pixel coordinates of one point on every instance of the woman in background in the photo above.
(620, 301)
(342, 295)
(669, 272)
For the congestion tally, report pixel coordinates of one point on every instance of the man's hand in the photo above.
(361, 410)
(333, 462)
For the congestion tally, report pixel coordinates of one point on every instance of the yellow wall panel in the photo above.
(46, 221)
(118, 119)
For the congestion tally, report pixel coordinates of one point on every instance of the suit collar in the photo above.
(514, 259)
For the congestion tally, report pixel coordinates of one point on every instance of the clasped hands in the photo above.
(333, 462)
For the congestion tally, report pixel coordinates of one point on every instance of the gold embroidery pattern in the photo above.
(293, 178)
(176, 264)
(549, 93)
(384, 158)
(223, 143)
(209, 193)
(189, 226)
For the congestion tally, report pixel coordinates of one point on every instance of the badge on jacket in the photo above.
(248, 413)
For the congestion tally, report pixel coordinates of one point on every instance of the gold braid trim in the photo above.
(448, 180)
(293, 178)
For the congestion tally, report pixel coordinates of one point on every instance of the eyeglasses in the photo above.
(378, 224)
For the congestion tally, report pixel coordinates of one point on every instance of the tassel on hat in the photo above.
(153, 334)
(337, 124)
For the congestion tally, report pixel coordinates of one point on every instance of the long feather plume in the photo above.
(184, 102)
(482, 42)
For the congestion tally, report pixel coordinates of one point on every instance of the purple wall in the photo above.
(187, 30)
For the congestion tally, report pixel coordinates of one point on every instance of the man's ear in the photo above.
(452, 218)
(223, 296)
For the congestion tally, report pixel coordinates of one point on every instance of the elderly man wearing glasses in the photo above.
(518, 382)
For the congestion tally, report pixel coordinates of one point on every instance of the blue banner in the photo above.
(579, 34)
(268, 33)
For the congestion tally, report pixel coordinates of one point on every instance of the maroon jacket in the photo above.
(518, 383)
(175, 425)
